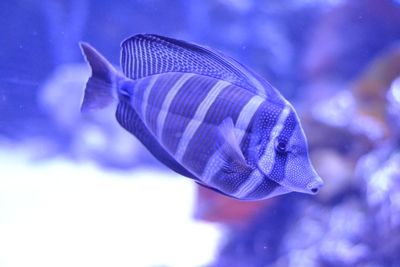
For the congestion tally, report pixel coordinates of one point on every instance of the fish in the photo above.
(205, 116)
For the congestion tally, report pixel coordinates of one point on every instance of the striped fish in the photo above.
(205, 116)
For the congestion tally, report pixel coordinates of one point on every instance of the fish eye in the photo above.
(280, 146)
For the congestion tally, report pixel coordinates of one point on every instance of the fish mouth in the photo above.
(315, 186)
(311, 188)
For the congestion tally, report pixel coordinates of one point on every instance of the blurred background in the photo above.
(77, 190)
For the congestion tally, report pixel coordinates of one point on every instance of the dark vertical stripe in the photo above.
(228, 104)
(128, 119)
(183, 108)
(157, 95)
(263, 190)
(278, 170)
(263, 125)
(203, 144)
(256, 136)
(288, 128)
(138, 92)
(230, 182)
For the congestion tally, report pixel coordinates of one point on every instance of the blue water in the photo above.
(77, 190)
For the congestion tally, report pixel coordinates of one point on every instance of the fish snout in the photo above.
(315, 186)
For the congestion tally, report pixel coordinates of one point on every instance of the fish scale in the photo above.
(205, 116)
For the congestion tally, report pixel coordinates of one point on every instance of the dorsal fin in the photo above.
(148, 54)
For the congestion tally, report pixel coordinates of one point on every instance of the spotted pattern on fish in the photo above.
(266, 159)
(278, 168)
(246, 115)
(265, 163)
(213, 172)
(204, 115)
(191, 129)
(266, 119)
(254, 179)
(244, 125)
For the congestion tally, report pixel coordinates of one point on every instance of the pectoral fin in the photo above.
(229, 148)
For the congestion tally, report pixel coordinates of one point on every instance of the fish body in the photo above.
(205, 116)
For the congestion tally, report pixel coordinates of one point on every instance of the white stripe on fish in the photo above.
(214, 164)
(246, 115)
(162, 115)
(146, 93)
(242, 172)
(198, 118)
(267, 160)
(251, 183)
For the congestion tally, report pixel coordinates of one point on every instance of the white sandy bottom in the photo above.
(58, 213)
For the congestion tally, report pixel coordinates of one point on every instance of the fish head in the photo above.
(300, 174)
(285, 158)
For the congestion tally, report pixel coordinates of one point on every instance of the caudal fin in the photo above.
(101, 86)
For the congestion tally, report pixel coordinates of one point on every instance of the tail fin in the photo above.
(101, 86)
